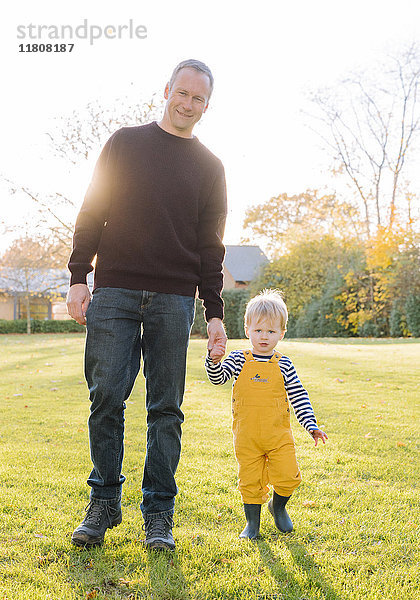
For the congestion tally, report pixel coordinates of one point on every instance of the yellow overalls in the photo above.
(263, 440)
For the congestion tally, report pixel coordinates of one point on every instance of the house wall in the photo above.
(40, 308)
(228, 283)
(6, 308)
(56, 310)
(59, 311)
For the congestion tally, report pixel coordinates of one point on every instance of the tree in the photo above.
(406, 284)
(83, 132)
(285, 220)
(370, 124)
(303, 272)
(375, 291)
(340, 288)
(32, 267)
(76, 138)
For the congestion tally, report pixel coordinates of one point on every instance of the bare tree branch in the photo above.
(371, 126)
(76, 137)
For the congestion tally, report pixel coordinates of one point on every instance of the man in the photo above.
(154, 216)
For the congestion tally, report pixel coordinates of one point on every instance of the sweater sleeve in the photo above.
(93, 215)
(211, 249)
(297, 395)
(221, 372)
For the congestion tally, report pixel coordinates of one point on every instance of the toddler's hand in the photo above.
(218, 351)
(317, 434)
(217, 339)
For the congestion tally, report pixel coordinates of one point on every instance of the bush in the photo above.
(38, 326)
(18, 326)
(369, 329)
(318, 319)
(377, 329)
(396, 320)
(412, 313)
(57, 327)
(199, 326)
(241, 312)
(235, 302)
(321, 316)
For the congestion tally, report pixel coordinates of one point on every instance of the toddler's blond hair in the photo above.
(268, 305)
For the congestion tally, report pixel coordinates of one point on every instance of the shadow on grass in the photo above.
(353, 341)
(96, 571)
(284, 578)
(166, 579)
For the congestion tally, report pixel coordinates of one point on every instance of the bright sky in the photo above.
(264, 56)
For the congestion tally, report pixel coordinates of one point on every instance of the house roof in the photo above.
(55, 281)
(244, 262)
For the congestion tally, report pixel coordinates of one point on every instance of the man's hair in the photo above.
(268, 305)
(191, 63)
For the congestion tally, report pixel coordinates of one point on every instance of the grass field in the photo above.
(356, 513)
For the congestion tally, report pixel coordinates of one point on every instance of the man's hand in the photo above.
(317, 434)
(217, 339)
(78, 299)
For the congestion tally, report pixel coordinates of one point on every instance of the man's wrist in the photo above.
(77, 279)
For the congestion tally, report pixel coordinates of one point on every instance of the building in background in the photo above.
(47, 290)
(241, 265)
(47, 294)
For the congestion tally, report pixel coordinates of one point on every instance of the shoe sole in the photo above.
(86, 543)
(82, 542)
(159, 546)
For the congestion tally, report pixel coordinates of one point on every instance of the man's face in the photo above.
(187, 100)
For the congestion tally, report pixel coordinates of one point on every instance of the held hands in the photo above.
(217, 339)
(217, 352)
(78, 299)
(317, 434)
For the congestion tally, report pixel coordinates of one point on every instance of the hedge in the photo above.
(38, 326)
(199, 326)
(412, 313)
(396, 320)
(235, 302)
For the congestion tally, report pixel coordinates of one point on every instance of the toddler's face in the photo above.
(264, 336)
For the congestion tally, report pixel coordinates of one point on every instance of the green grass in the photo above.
(356, 513)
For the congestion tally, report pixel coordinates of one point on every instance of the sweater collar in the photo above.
(176, 138)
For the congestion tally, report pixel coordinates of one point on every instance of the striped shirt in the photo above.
(221, 372)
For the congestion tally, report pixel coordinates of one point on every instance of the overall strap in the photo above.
(249, 356)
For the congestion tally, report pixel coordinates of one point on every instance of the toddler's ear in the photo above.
(246, 331)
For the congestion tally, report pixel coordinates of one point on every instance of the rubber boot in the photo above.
(252, 528)
(277, 507)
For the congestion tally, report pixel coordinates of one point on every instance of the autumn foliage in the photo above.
(346, 287)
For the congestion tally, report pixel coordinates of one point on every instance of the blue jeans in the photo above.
(123, 325)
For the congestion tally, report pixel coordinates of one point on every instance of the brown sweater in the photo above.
(154, 214)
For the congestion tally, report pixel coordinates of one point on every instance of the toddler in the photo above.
(264, 384)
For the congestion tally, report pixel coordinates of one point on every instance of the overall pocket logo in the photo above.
(258, 379)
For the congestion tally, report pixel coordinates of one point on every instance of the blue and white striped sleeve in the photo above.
(298, 396)
(221, 372)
